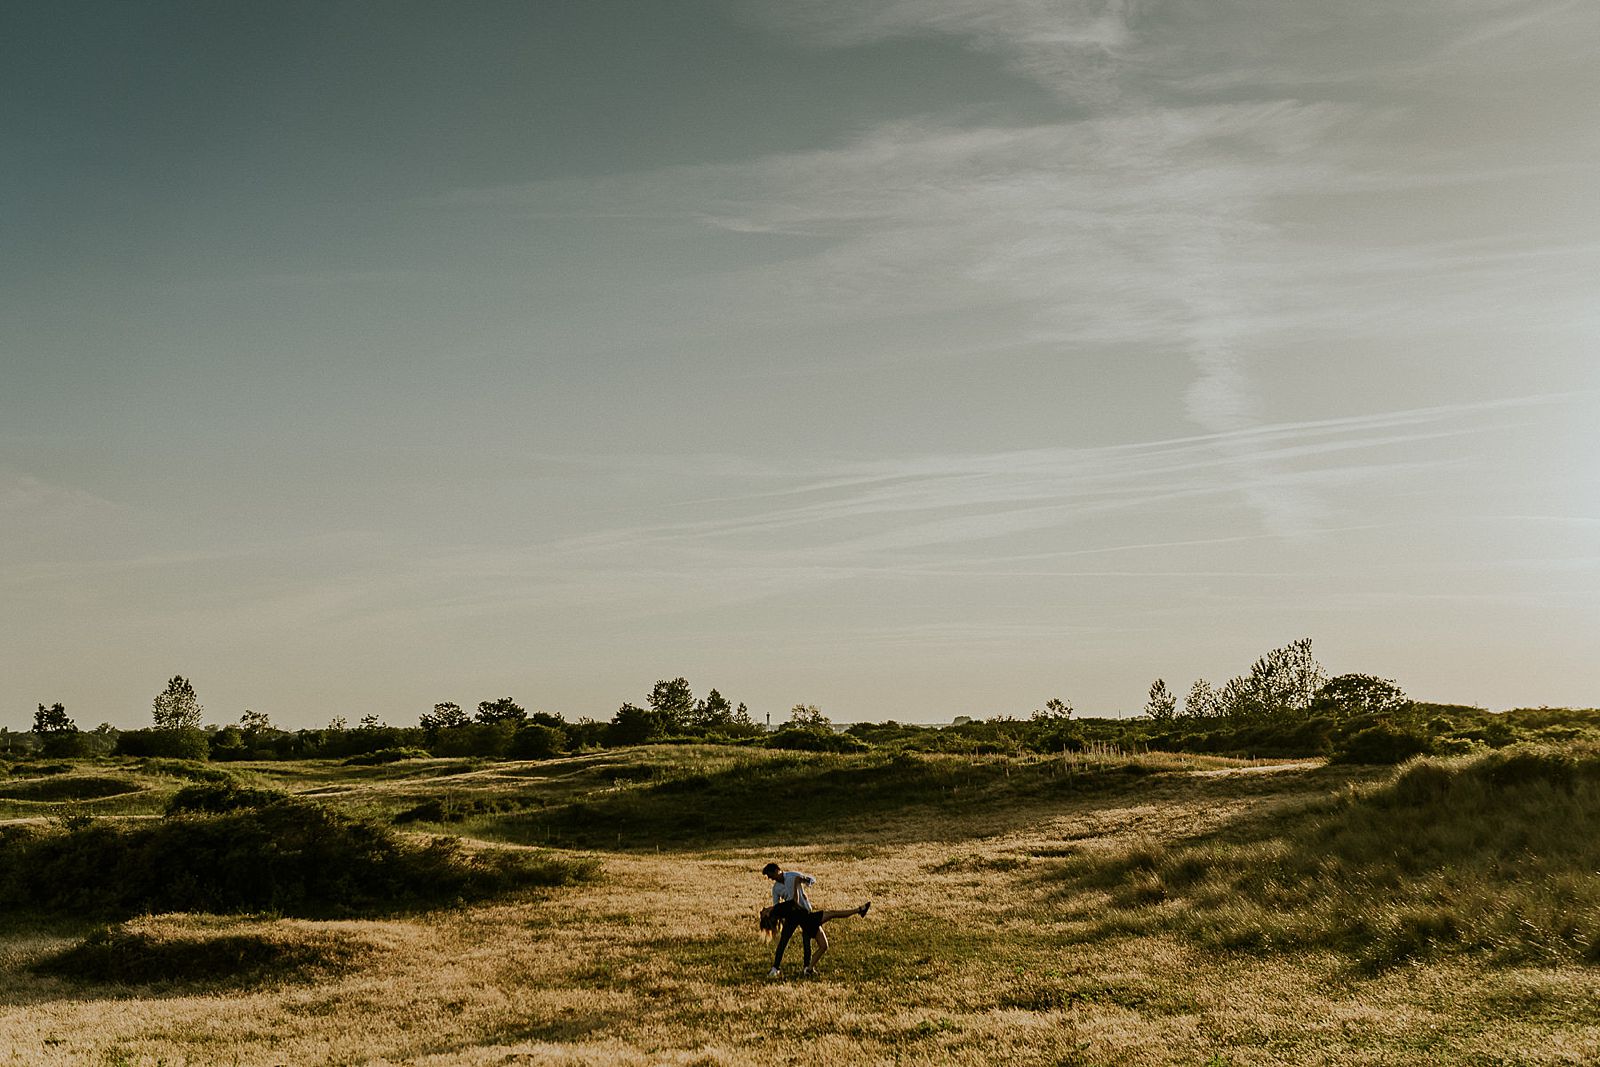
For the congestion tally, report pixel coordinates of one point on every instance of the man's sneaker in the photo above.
(774, 973)
(862, 911)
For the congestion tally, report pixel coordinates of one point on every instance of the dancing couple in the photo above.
(790, 910)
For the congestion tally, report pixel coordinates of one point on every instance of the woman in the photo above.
(790, 909)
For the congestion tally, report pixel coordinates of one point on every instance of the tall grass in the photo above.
(1494, 854)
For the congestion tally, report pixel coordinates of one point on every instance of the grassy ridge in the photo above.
(226, 850)
(710, 797)
(1494, 854)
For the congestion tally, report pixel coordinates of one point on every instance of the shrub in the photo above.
(291, 856)
(178, 743)
(457, 809)
(133, 954)
(1525, 764)
(217, 797)
(386, 755)
(69, 787)
(798, 740)
(1383, 743)
(537, 741)
(188, 769)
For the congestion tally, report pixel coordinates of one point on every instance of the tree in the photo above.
(176, 707)
(713, 712)
(53, 720)
(809, 717)
(1352, 696)
(1162, 705)
(1054, 708)
(338, 724)
(445, 716)
(253, 723)
(673, 701)
(634, 725)
(368, 722)
(1202, 701)
(1280, 683)
(503, 710)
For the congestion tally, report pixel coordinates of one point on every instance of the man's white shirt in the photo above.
(791, 885)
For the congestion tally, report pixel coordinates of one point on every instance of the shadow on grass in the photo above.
(818, 798)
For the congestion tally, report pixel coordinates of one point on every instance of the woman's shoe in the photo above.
(862, 911)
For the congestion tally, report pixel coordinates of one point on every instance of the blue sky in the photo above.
(913, 359)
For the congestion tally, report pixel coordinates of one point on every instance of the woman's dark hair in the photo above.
(769, 921)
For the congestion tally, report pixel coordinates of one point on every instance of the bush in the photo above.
(181, 743)
(133, 954)
(537, 741)
(1383, 743)
(386, 755)
(217, 797)
(290, 856)
(815, 741)
(190, 770)
(69, 787)
(457, 809)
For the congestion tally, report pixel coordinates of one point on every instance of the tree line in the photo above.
(1284, 705)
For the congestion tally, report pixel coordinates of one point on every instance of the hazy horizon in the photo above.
(910, 358)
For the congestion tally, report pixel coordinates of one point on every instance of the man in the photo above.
(792, 908)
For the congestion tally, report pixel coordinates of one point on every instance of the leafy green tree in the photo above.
(1279, 684)
(809, 717)
(1054, 708)
(444, 716)
(1355, 696)
(252, 724)
(712, 713)
(368, 722)
(673, 701)
(538, 741)
(503, 710)
(53, 720)
(176, 707)
(1162, 705)
(634, 725)
(1202, 701)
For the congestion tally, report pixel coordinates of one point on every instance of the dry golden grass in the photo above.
(970, 955)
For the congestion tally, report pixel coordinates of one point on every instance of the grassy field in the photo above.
(1093, 909)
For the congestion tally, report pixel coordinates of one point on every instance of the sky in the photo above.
(909, 358)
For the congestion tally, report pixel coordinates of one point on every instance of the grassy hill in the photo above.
(1098, 908)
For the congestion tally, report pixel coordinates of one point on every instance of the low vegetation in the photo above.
(162, 952)
(221, 850)
(1493, 855)
(1094, 904)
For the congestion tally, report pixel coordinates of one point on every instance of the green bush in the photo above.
(289, 856)
(217, 797)
(128, 955)
(797, 740)
(191, 770)
(459, 809)
(181, 743)
(537, 741)
(386, 755)
(1383, 743)
(69, 787)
